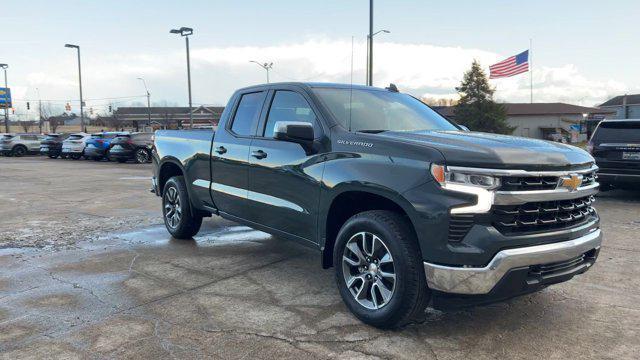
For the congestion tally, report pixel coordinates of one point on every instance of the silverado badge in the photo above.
(571, 182)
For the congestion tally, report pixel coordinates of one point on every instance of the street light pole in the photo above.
(148, 100)
(82, 126)
(266, 66)
(185, 31)
(6, 98)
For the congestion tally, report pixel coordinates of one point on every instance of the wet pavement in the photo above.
(234, 292)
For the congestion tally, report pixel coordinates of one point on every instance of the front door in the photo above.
(284, 180)
(230, 155)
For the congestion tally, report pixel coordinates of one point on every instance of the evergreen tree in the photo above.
(476, 108)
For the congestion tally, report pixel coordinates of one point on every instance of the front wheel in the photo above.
(178, 218)
(142, 156)
(379, 270)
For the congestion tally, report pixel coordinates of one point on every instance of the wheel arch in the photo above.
(351, 200)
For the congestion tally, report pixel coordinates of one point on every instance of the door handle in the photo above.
(259, 154)
(221, 150)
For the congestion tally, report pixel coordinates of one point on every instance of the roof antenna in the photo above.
(392, 87)
(351, 87)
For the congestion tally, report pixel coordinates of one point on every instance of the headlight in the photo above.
(444, 176)
(469, 183)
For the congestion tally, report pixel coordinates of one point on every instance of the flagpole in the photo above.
(531, 68)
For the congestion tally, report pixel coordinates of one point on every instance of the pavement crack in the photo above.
(77, 286)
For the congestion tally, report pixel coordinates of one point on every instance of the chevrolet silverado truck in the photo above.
(409, 208)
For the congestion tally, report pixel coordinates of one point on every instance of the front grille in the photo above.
(459, 226)
(531, 183)
(542, 216)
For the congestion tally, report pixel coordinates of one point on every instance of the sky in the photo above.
(584, 52)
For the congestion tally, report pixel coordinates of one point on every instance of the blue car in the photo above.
(97, 147)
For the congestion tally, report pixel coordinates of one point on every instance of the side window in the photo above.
(247, 114)
(289, 106)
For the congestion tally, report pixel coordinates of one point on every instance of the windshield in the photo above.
(375, 110)
(618, 131)
(75, 137)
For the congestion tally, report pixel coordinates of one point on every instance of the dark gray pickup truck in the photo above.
(409, 208)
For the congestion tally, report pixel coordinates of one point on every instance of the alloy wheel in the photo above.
(142, 156)
(368, 270)
(172, 207)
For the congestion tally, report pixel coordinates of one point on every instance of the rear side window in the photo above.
(30, 137)
(97, 136)
(618, 132)
(247, 113)
(289, 106)
(74, 137)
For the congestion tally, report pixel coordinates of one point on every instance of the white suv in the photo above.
(73, 146)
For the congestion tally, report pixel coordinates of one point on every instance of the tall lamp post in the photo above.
(6, 98)
(148, 100)
(185, 31)
(266, 66)
(370, 57)
(82, 127)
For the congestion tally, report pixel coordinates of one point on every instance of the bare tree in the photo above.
(45, 113)
(26, 125)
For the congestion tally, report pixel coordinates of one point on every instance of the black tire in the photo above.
(142, 156)
(75, 157)
(19, 150)
(51, 156)
(410, 294)
(187, 224)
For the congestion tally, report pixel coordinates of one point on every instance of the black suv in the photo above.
(615, 145)
(51, 145)
(135, 146)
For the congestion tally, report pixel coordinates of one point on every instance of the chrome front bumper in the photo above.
(481, 280)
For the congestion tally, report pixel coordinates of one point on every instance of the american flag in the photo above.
(512, 66)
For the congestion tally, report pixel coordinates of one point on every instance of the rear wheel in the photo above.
(178, 218)
(18, 151)
(379, 270)
(142, 156)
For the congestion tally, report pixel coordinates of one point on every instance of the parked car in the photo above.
(97, 147)
(73, 146)
(51, 145)
(615, 145)
(20, 144)
(134, 146)
(408, 207)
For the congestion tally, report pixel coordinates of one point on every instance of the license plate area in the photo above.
(627, 155)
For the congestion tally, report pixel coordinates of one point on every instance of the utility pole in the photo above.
(6, 98)
(82, 126)
(370, 46)
(40, 120)
(185, 31)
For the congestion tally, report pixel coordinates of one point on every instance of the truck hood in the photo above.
(476, 149)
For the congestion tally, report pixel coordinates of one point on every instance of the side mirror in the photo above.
(463, 128)
(293, 131)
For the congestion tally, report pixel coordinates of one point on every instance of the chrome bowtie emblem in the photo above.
(571, 182)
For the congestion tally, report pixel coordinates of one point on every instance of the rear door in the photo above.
(616, 146)
(284, 180)
(230, 154)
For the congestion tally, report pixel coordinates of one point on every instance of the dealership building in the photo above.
(548, 121)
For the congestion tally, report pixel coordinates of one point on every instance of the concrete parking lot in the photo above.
(88, 271)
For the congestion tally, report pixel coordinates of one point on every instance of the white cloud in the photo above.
(421, 69)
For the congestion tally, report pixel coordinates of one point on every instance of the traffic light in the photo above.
(67, 107)
(28, 106)
(110, 108)
(91, 111)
